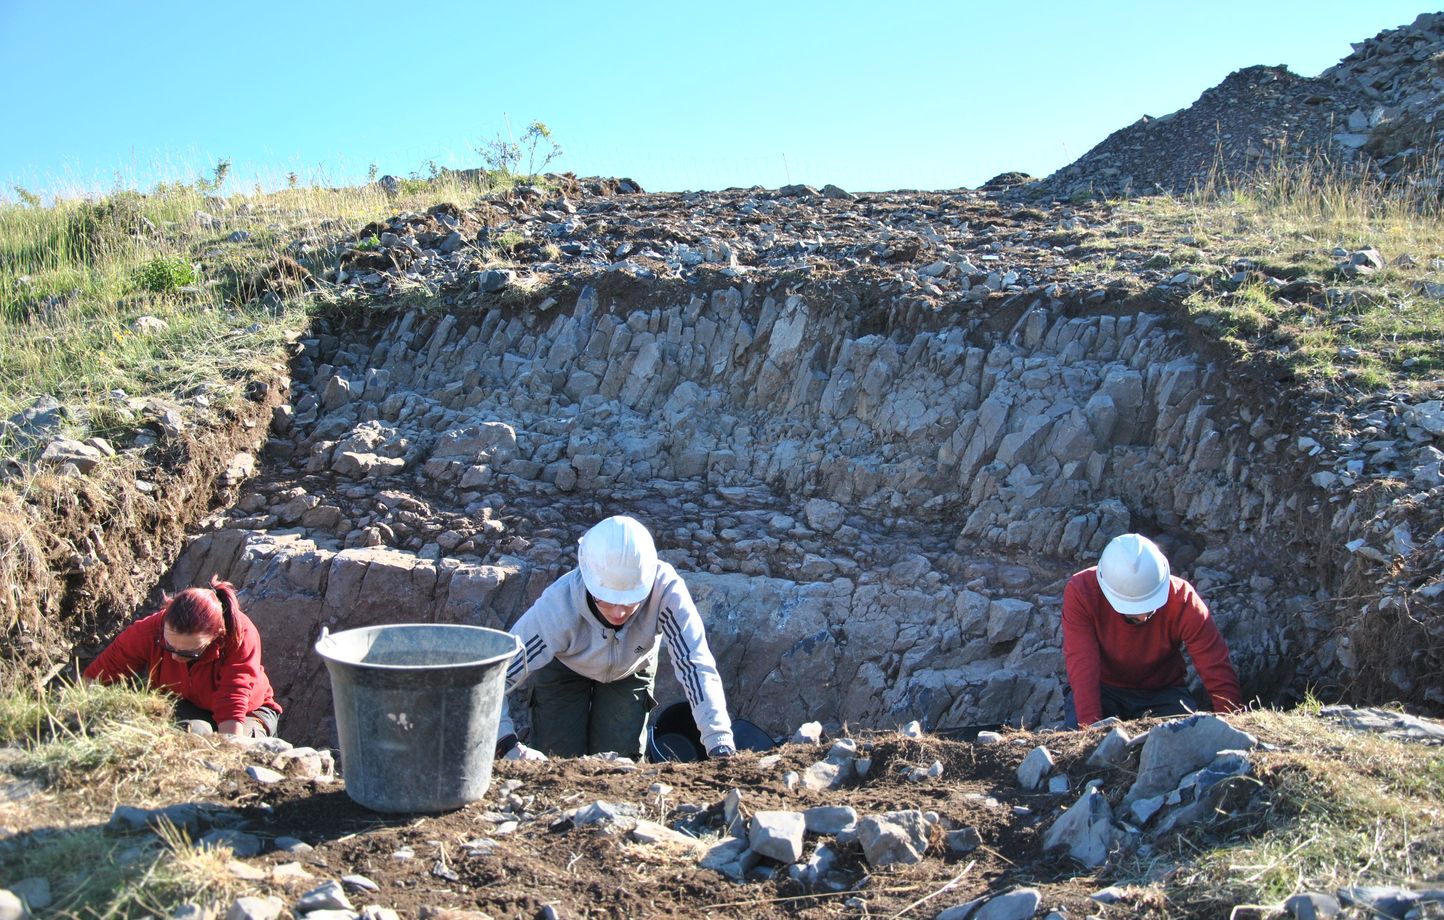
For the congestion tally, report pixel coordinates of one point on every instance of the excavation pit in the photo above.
(874, 507)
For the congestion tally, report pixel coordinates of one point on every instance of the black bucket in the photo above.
(673, 735)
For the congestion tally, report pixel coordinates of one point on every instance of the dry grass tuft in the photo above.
(98, 876)
(115, 742)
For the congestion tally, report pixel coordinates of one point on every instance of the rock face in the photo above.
(875, 486)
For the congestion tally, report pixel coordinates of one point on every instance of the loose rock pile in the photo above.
(1255, 117)
(1379, 106)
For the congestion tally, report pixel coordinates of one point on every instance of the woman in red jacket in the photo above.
(202, 648)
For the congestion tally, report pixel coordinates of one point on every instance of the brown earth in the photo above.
(593, 872)
(87, 549)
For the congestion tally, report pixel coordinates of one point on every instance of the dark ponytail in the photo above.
(230, 607)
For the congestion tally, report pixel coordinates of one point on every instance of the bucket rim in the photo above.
(327, 641)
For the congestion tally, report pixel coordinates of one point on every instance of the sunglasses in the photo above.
(1139, 620)
(186, 653)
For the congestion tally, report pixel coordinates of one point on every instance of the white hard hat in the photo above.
(618, 561)
(1133, 574)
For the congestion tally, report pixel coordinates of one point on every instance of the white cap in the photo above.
(1133, 574)
(618, 561)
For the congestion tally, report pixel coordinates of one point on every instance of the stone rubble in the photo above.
(1178, 747)
(1085, 831)
(1018, 904)
(1035, 768)
(1400, 725)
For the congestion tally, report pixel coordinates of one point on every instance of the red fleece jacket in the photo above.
(230, 686)
(1099, 647)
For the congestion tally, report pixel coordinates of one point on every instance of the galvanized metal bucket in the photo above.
(417, 707)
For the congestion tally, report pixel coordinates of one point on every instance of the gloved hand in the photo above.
(520, 751)
(721, 751)
(509, 748)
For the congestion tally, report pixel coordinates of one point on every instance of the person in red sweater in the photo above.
(1125, 622)
(200, 647)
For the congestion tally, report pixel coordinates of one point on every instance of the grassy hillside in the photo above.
(143, 324)
(171, 293)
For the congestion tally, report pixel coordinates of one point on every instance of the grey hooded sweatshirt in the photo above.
(560, 625)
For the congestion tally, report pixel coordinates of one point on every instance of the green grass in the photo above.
(75, 277)
(1288, 222)
(80, 727)
(93, 744)
(166, 274)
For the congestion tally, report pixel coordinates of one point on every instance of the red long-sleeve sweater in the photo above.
(229, 685)
(1099, 647)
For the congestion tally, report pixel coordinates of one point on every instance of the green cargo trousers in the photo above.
(572, 715)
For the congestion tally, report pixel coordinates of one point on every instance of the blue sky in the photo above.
(677, 95)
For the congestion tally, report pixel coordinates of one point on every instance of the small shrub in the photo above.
(99, 228)
(217, 179)
(536, 135)
(500, 154)
(505, 156)
(509, 241)
(368, 244)
(166, 274)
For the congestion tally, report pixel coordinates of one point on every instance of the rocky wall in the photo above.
(873, 503)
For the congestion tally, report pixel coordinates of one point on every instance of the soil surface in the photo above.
(597, 871)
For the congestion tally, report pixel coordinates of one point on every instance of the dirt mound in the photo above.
(1254, 116)
(1377, 108)
(596, 871)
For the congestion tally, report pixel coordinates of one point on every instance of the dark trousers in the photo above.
(1126, 703)
(262, 722)
(572, 715)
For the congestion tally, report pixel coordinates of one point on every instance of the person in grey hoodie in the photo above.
(589, 646)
